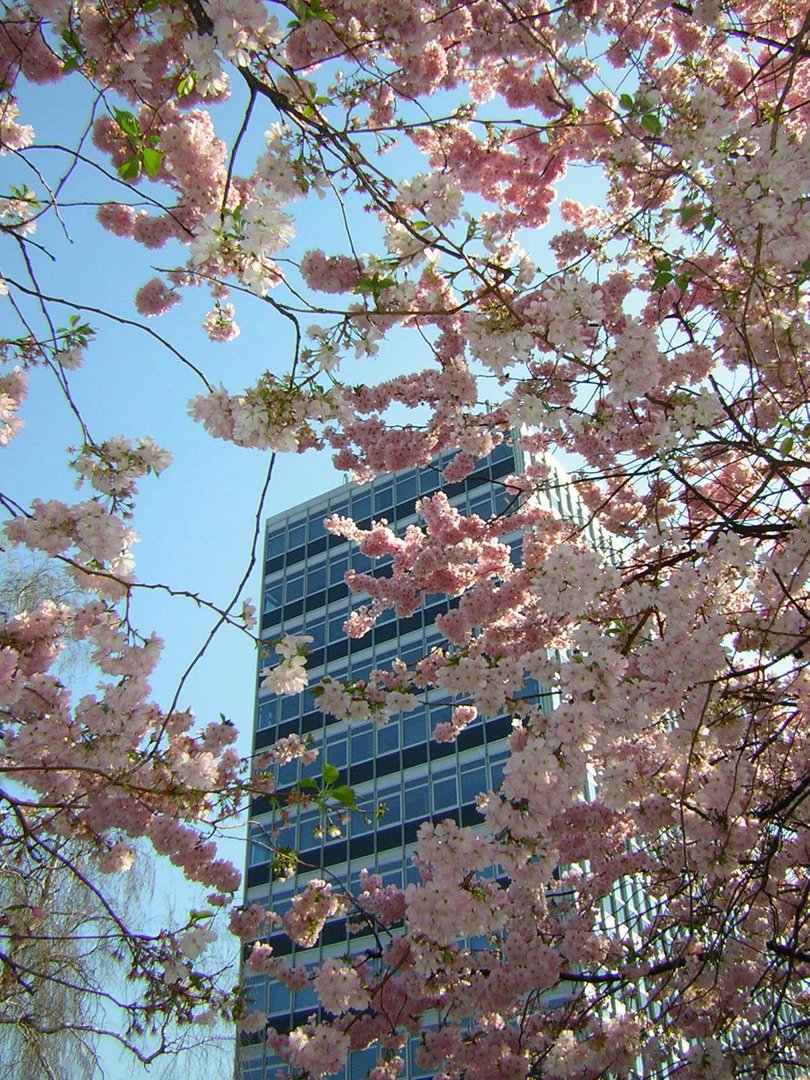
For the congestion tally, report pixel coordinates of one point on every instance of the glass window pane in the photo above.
(290, 707)
(276, 543)
(391, 799)
(383, 498)
(416, 801)
(316, 578)
(296, 535)
(362, 746)
(337, 750)
(316, 629)
(388, 739)
(496, 772)
(414, 729)
(445, 794)
(473, 782)
(361, 505)
(481, 504)
(361, 563)
(361, 669)
(361, 1062)
(428, 481)
(295, 586)
(268, 713)
(279, 998)
(316, 528)
(337, 569)
(272, 597)
(306, 832)
(407, 487)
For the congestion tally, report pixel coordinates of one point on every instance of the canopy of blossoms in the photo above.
(656, 337)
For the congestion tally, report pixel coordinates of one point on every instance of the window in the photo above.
(364, 822)
(473, 782)
(306, 831)
(295, 586)
(503, 452)
(337, 569)
(445, 793)
(272, 597)
(255, 986)
(316, 527)
(407, 487)
(412, 652)
(391, 798)
(361, 563)
(275, 543)
(297, 535)
(361, 669)
(362, 744)
(312, 769)
(384, 498)
(385, 656)
(316, 628)
(417, 804)
(503, 498)
(268, 713)
(428, 481)
(361, 505)
(259, 848)
(481, 504)
(337, 750)
(496, 765)
(391, 874)
(414, 728)
(388, 738)
(361, 1062)
(289, 707)
(306, 999)
(336, 627)
(279, 998)
(316, 578)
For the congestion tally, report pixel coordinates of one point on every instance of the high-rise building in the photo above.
(400, 776)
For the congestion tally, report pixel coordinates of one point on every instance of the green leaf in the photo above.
(131, 168)
(127, 122)
(689, 212)
(152, 160)
(329, 773)
(308, 784)
(786, 446)
(373, 285)
(186, 84)
(627, 102)
(661, 280)
(651, 123)
(345, 796)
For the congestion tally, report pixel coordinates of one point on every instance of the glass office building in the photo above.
(397, 765)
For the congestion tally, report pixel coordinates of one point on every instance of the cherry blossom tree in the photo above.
(653, 331)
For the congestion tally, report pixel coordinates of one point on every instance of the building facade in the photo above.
(401, 777)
